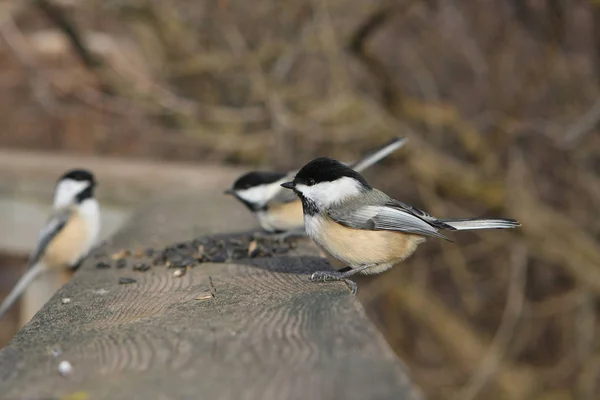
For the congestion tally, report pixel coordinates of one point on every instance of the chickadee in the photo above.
(280, 210)
(363, 227)
(69, 232)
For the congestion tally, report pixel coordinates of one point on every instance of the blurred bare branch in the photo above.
(510, 317)
(358, 46)
(583, 126)
(547, 24)
(19, 46)
(72, 32)
(469, 351)
(587, 385)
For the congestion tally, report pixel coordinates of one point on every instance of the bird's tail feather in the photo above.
(466, 224)
(377, 155)
(21, 285)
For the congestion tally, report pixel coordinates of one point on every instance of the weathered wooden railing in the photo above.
(245, 323)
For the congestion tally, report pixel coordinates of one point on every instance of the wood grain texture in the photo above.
(256, 328)
(39, 292)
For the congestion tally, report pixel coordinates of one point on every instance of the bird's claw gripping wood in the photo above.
(324, 276)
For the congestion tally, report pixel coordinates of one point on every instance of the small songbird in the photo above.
(69, 233)
(279, 210)
(362, 227)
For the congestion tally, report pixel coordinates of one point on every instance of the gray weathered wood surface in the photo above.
(268, 333)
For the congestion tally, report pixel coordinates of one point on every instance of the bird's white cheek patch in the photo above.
(327, 193)
(261, 194)
(304, 190)
(256, 194)
(66, 191)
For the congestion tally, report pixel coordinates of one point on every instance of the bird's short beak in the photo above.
(228, 191)
(288, 185)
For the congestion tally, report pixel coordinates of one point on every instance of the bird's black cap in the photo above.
(255, 178)
(79, 175)
(326, 169)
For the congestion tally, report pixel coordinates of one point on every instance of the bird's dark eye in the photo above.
(310, 182)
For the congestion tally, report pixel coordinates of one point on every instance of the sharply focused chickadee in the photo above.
(280, 210)
(362, 227)
(69, 232)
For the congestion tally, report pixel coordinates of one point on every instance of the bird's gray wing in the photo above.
(418, 213)
(54, 224)
(383, 217)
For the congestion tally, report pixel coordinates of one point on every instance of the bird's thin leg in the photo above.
(340, 276)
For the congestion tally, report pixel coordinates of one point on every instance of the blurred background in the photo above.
(499, 99)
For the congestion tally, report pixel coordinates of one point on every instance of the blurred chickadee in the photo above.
(69, 232)
(280, 210)
(363, 227)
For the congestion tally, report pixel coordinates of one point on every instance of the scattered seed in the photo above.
(255, 253)
(56, 351)
(252, 246)
(188, 262)
(102, 265)
(205, 296)
(126, 281)
(65, 300)
(120, 254)
(219, 258)
(142, 267)
(65, 369)
(174, 260)
(179, 272)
